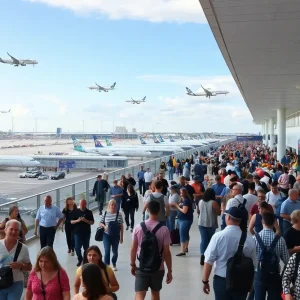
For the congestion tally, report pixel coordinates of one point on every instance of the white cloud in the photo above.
(179, 11)
(19, 110)
(62, 107)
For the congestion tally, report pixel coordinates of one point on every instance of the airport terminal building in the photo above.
(260, 44)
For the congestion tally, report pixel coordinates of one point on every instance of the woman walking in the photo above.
(112, 222)
(93, 255)
(185, 217)
(70, 207)
(129, 206)
(208, 210)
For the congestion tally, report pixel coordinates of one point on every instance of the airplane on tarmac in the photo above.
(132, 101)
(5, 111)
(160, 146)
(100, 88)
(18, 62)
(208, 93)
(18, 161)
(99, 149)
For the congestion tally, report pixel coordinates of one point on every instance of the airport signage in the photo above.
(242, 138)
(66, 164)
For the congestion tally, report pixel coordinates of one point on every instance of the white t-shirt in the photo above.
(7, 257)
(174, 198)
(148, 176)
(265, 179)
(251, 199)
(272, 198)
(235, 202)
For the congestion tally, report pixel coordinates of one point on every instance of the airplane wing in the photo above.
(129, 101)
(99, 86)
(16, 61)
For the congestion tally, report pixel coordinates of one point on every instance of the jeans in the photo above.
(285, 226)
(47, 235)
(100, 200)
(238, 172)
(127, 212)
(142, 186)
(14, 292)
(70, 236)
(147, 184)
(184, 230)
(273, 288)
(112, 242)
(171, 172)
(81, 240)
(280, 221)
(206, 234)
(171, 219)
(221, 293)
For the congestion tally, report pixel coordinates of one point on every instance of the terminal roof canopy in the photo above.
(260, 41)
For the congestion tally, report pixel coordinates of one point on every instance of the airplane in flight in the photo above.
(5, 111)
(18, 62)
(100, 88)
(18, 161)
(139, 101)
(208, 92)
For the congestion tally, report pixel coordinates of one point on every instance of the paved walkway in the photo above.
(187, 271)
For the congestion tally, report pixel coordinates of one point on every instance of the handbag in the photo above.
(6, 273)
(100, 232)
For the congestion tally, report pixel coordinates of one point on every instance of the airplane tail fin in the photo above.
(142, 141)
(189, 91)
(76, 144)
(97, 142)
(113, 86)
(108, 142)
(171, 139)
(161, 138)
(144, 98)
(1, 60)
(156, 141)
(181, 136)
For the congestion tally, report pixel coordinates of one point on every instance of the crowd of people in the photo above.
(245, 201)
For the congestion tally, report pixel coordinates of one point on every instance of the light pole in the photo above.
(83, 126)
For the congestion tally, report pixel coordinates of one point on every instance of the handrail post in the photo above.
(73, 190)
(87, 192)
(58, 197)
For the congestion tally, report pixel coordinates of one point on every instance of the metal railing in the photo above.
(28, 206)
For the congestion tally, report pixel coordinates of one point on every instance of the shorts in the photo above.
(143, 281)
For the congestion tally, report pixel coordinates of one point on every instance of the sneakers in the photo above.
(100, 213)
(181, 254)
(127, 227)
(115, 268)
(79, 263)
(72, 253)
(131, 229)
(187, 250)
(202, 260)
(69, 251)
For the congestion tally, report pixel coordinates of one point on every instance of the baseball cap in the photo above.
(234, 212)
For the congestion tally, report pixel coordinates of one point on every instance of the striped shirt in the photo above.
(267, 235)
(109, 217)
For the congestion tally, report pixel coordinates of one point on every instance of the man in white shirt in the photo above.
(148, 176)
(274, 195)
(223, 245)
(250, 197)
(237, 197)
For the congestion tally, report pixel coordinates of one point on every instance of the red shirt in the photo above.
(254, 209)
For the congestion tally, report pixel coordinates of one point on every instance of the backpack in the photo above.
(268, 263)
(244, 221)
(240, 270)
(150, 257)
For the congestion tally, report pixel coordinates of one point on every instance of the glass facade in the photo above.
(293, 120)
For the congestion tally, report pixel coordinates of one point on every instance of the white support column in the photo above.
(281, 132)
(271, 132)
(263, 132)
(266, 132)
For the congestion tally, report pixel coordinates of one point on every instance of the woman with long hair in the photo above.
(14, 214)
(93, 255)
(94, 286)
(129, 206)
(48, 280)
(208, 210)
(70, 207)
(112, 222)
(185, 217)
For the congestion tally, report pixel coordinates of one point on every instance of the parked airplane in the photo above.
(159, 146)
(18, 161)
(99, 149)
(139, 101)
(208, 93)
(5, 111)
(100, 88)
(18, 62)
(183, 144)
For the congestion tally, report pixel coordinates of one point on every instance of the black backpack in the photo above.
(244, 221)
(150, 257)
(240, 270)
(268, 263)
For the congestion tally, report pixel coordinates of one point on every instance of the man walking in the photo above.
(101, 186)
(141, 179)
(154, 278)
(48, 218)
(116, 193)
(82, 219)
(148, 178)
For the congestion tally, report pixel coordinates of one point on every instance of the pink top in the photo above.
(283, 181)
(163, 236)
(53, 289)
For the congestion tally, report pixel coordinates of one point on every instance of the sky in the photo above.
(152, 48)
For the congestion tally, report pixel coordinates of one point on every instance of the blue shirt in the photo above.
(140, 174)
(116, 190)
(47, 217)
(218, 188)
(189, 215)
(288, 206)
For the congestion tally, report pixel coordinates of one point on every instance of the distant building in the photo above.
(121, 129)
(134, 130)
